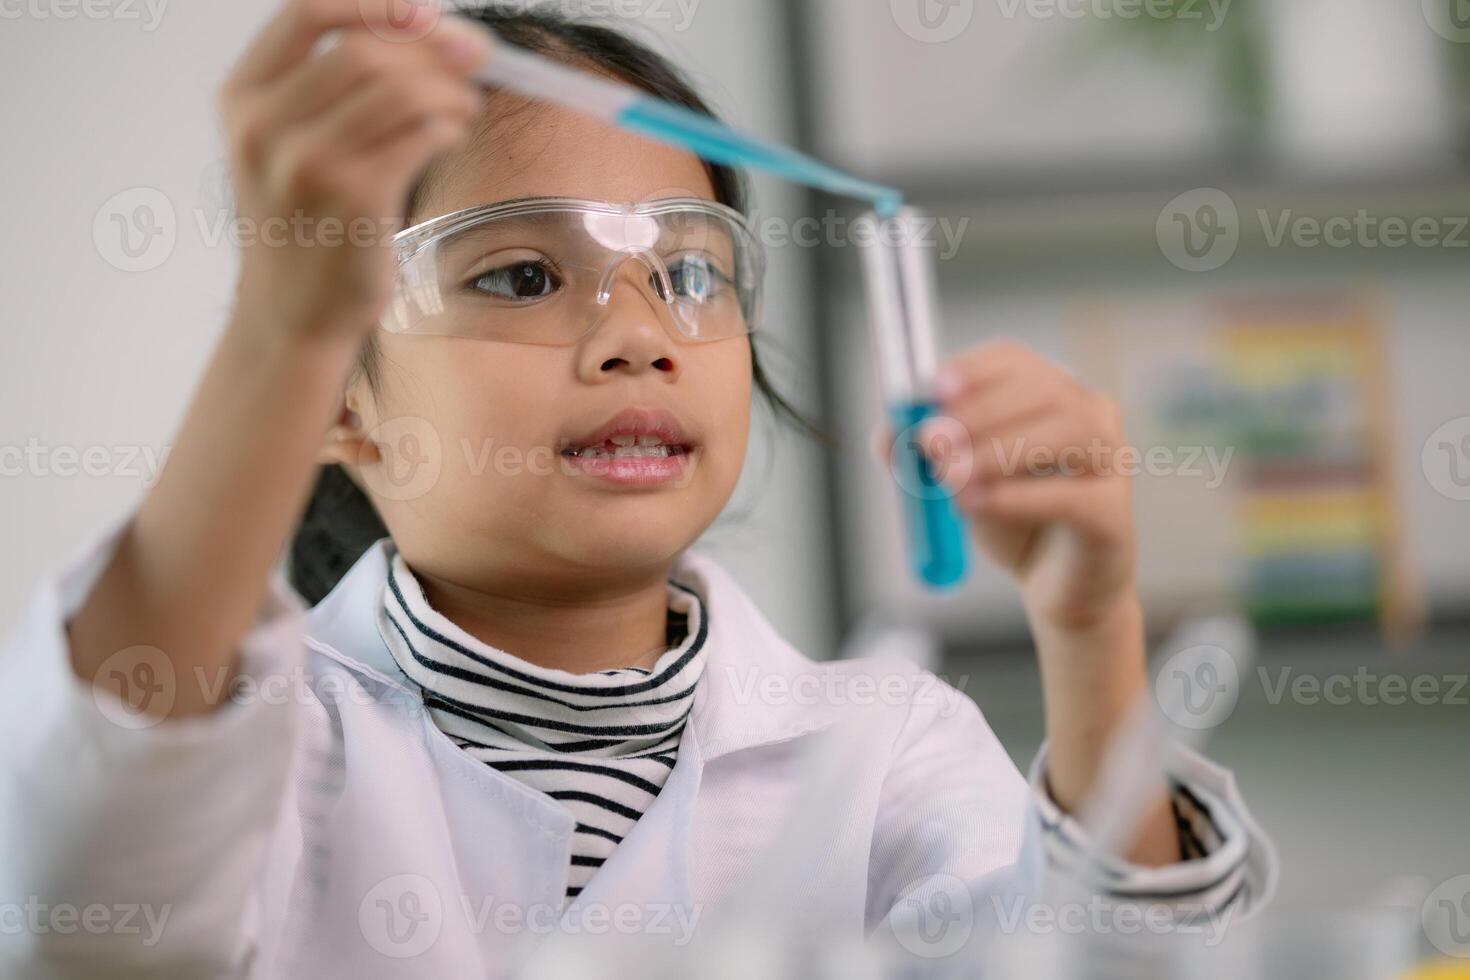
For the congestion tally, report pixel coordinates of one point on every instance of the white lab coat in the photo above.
(322, 826)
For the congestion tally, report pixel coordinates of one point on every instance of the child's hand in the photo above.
(1032, 456)
(323, 146)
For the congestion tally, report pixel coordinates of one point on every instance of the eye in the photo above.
(697, 278)
(517, 281)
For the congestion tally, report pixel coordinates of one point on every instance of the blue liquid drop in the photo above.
(888, 205)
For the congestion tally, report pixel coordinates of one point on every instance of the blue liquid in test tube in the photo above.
(936, 531)
(899, 276)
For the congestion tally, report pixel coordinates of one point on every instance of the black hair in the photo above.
(340, 522)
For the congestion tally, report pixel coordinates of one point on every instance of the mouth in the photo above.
(626, 446)
(638, 447)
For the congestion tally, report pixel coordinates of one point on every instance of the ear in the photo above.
(346, 442)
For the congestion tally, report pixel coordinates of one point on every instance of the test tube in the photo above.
(902, 313)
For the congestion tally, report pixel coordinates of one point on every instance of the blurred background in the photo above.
(1246, 220)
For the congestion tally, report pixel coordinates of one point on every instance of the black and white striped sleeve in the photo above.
(1228, 864)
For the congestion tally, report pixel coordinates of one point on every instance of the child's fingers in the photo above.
(978, 426)
(453, 52)
(1057, 444)
(1005, 406)
(290, 36)
(983, 365)
(390, 107)
(1036, 418)
(406, 153)
(384, 90)
(1090, 504)
(327, 162)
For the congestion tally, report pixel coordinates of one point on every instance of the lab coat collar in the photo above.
(750, 694)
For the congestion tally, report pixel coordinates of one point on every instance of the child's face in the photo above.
(504, 502)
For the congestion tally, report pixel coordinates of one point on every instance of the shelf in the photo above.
(1111, 216)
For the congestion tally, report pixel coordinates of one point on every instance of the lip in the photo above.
(647, 471)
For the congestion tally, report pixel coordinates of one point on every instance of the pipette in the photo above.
(534, 76)
(903, 311)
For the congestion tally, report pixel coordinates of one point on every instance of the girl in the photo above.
(527, 706)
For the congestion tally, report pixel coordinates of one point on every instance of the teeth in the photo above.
(625, 452)
(628, 447)
(636, 441)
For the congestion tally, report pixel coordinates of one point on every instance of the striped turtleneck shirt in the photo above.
(602, 744)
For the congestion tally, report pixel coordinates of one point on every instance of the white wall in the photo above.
(103, 360)
(95, 356)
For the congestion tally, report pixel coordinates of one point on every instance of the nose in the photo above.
(630, 336)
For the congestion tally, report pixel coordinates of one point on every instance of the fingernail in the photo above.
(418, 23)
(937, 443)
(947, 384)
(464, 43)
(927, 433)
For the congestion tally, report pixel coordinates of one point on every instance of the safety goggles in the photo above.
(544, 270)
